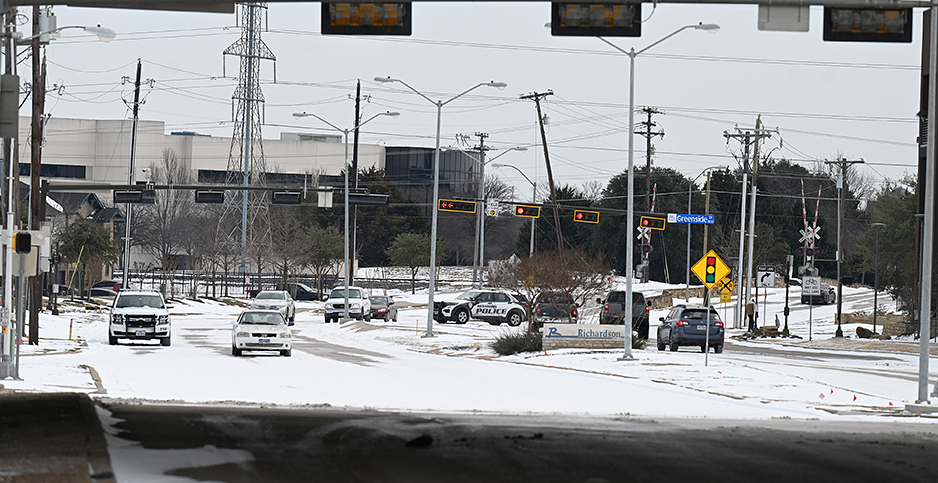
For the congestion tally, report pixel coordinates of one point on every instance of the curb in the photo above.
(99, 461)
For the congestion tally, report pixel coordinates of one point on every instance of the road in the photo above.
(280, 445)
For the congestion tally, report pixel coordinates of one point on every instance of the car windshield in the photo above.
(699, 314)
(270, 296)
(379, 300)
(152, 301)
(471, 295)
(339, 293)
(262, 318)
(304, 287)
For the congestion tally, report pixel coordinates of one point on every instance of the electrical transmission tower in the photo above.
(246, 165)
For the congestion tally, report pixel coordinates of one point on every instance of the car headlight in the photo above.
(117, 318)
(243, 334)
(285, 335)
(356, 306)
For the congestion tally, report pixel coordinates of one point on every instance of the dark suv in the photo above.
(687, 325)
(614, 311)
(556, 308)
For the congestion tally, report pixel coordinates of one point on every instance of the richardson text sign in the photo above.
(591, 336)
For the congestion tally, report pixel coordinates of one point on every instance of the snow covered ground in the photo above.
(391, 366)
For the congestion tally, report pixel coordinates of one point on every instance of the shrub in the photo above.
(513, 343)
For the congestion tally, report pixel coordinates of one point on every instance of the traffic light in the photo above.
(653, 223)
(286, 197)
(711, 276)
(586, 216)
(209, 196)
(22, 242)
(528, 211)
(458, 206)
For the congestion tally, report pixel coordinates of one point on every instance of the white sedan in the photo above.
(275, 300)
(261, 330)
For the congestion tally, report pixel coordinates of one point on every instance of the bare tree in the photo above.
(287, 248)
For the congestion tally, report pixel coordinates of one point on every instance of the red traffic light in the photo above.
(528, 211)
(653, 223)
(584, 216)
(459, 206)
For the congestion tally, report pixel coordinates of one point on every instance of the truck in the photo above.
(555, 308)
(614, 312)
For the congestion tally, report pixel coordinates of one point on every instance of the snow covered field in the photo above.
(391, 366)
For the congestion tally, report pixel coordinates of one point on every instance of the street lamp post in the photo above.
(709, 27)
(346, 203)
(690, 186)
(879, 227)
(533, 198)
(436, 179)
(480, 236)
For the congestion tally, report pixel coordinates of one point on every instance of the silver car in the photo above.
(275, 300)
(261, 330)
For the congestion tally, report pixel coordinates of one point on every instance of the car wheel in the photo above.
(660, 344)
(461, 316)
(514, 318)
(111, 340)
(674, 347)
(643, 330)
(703, 348)
(165, 341)
(718, 349)
(394, 319)
(287, 353)
(235, 351)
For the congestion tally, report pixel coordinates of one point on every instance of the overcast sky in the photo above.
(827, 99)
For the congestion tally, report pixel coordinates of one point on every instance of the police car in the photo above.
(491, 306)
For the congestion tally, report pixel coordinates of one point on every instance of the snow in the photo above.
(392, 366)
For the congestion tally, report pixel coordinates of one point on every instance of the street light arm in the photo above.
(620, 49)
(104, 34)
(391, 79)
(309, 114)
(516, 148)
(497, 165)
(387, 113)
(500, 85)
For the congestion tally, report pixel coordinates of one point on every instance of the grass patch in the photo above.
(508, 344)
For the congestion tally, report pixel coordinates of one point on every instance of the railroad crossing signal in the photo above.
(809, 233)
(584, 216)
(710, 269)
(811, 252)
(459, 206)
(653, 223)
(528, 211)
(644, 234)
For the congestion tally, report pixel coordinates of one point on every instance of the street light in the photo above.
(533, 198)
(345, 133)
(104, 34)
(689, 188)
(629, 226)
(879, 227)
(480, 224)
(436, 178)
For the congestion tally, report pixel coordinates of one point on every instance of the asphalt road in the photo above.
(286, 445)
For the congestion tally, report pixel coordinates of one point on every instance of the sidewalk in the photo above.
(51, 438)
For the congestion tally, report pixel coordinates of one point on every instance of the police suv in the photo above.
(492, 306)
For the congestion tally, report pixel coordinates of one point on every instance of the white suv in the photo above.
(359, 306)
(139, 315)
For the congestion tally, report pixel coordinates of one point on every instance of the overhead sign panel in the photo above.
(596, 19)
(366, 18)
(868, 24)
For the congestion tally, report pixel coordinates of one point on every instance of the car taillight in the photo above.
(719, 324)
(538, 311)
(606, 308)
(574, 312)
(682, 323)
(647, 309)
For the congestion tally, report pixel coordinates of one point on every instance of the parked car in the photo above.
(301, 291)
(359, 306)
(492, 306)
(275, 300)
(555, 308)
(261, 330)
(101, 292)
(614, 311)
(139, 315)
(828, 296)
(688, 325)
(114, 285)
(383, 308)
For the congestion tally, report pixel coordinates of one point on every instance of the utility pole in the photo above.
(133, 156)
(747, 138)
(35, 153)
(536, 97)
(477, 261)
(648, 134)
(354, 177)
(840, 225)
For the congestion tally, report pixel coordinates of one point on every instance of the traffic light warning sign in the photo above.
(710, 269)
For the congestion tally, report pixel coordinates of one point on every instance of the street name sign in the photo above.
(692, 219)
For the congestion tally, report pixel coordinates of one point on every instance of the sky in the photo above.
(827, 99)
